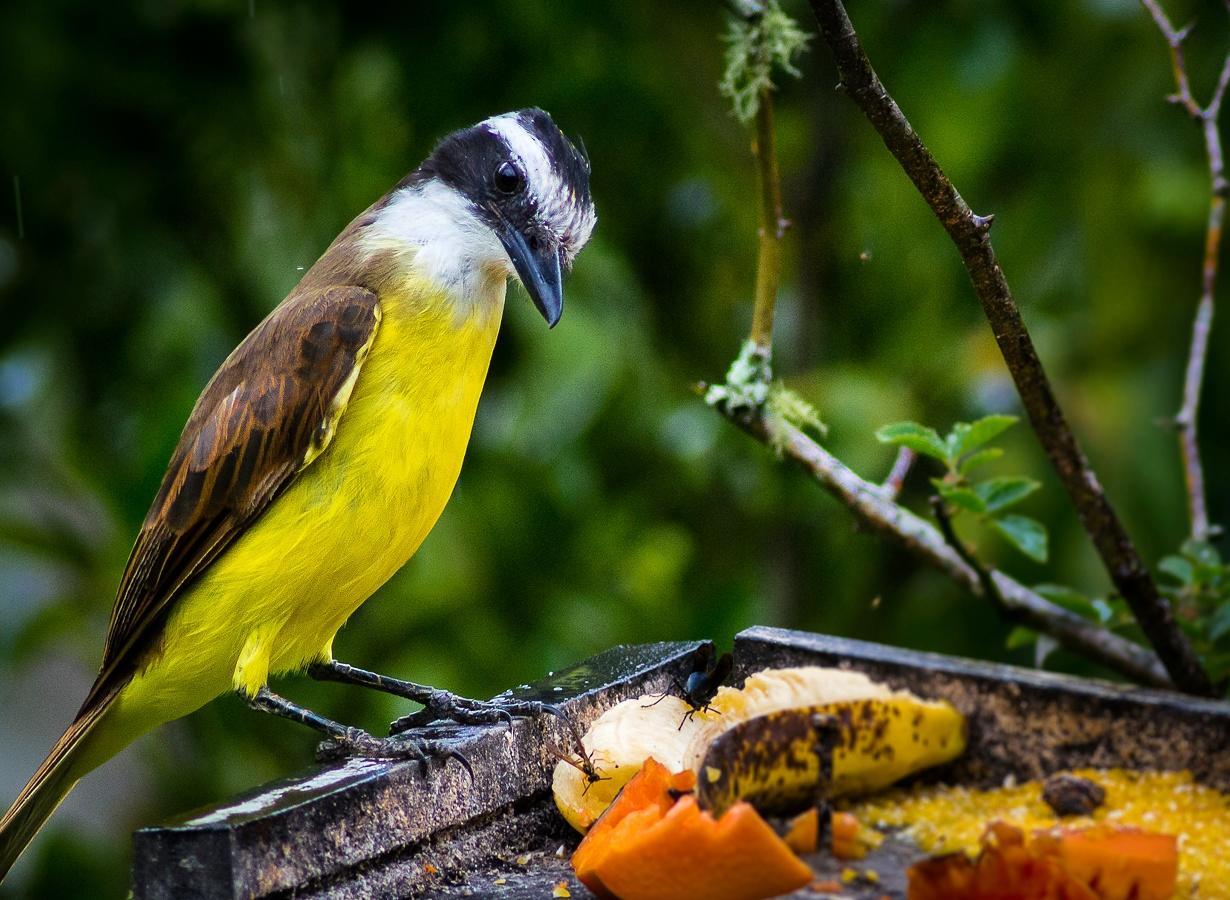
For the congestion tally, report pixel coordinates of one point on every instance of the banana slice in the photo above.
(617, 744)
(884, 736)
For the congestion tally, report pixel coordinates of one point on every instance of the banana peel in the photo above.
(779, 762)
(775, 761)
(881, 736)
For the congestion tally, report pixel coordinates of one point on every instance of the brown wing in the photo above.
(267, 413)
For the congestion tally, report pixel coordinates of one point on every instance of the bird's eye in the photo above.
(508, 178)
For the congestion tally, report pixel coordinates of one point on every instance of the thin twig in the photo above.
(989, 589)
(1174, 38)
(868, 503)
(1186, 419)
(970, 234)
(772, 227)
(897, 475)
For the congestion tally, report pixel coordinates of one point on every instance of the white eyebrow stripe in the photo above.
(526, 146)
(556, 204)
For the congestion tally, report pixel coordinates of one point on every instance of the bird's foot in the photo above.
(348, 743)
(355, 742)
(445, 705)
(438, 704)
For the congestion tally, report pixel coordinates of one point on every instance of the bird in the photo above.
(323, 450)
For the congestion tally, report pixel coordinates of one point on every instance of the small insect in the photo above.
(700, 687)
(585, 765)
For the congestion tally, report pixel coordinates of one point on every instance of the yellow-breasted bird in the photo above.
(323, 450)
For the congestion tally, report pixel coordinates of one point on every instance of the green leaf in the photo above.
(1116, 611)
(1219, 623)
(968, 436)
(918, 438)
(961, 497)
(1218, 665)
(1201, 552)
(1177, 568)
(1020, 637)
(1104, 609)
(1070, 599)
(978, 458)
(1026, 534)
(1000, 493)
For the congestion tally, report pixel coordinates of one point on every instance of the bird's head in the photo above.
(511, 195)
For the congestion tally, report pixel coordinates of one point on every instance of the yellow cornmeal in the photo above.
(947, 819)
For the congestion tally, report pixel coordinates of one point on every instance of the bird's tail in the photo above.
(73, 755)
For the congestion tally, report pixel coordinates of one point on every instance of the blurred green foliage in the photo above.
(171, 167)
(1197, 581)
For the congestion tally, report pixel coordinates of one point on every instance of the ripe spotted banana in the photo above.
(882, 736)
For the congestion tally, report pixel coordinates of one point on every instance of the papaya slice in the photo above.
(852, 839)
(650, 789)
(654, 842)
(1006, 868)
(1123, 863)
(1102, 862)
(803, 834)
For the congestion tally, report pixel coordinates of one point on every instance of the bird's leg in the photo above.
(442, 704)
(267, 701)
(345, 740)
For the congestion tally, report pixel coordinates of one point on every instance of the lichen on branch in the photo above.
(746, 389)
(760, 37)
(749, 393)
(786, 407)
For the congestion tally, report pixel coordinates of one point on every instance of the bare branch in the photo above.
(868, 503)
(1174, 39)
(970, 235)
(897, 475)
(1223, 80)
(1186, 419)
(1193, 378)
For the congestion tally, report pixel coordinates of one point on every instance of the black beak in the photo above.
(539, 270)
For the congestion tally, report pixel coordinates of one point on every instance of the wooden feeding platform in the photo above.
(372, 828)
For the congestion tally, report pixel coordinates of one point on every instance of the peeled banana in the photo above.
(881, 736)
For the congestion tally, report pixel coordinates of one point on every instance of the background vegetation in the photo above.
(170, 168)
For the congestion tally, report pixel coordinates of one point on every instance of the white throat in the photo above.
(444, 242)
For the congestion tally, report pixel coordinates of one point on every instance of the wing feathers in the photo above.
(269, 411)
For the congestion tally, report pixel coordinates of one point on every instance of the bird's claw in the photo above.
(467, 712)
(352, 742)
(358, 743)
(448, 706)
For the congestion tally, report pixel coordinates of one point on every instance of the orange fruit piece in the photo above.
(649, 789)
(1098, 863)
(688, 854)
(803, 835)
(653, 842)
(846, 833)
(1123, 863)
